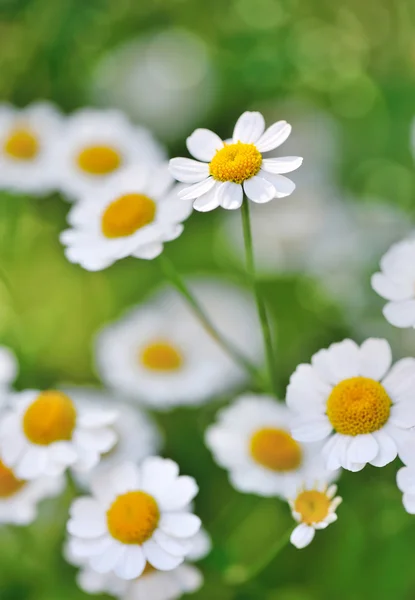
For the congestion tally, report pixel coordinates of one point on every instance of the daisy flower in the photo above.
(136, 515)
(396, 283)
(152, 584)
(19, 497)
(314, 507)
(351, 399)
(252, 440)
(160, 354)
(133, 216)
(224, 170)
(98, 143)
(28, 141)
(43, 433)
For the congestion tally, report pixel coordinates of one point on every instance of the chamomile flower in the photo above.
(19, 497)
(224, 170)
(152, 584)
(252, 440)
(133, 216)
(43, 433)
(28, 141)
(135, 516)
(160, 354)
(97, 144)
(313, 507)
(396, 283)
(351, 398)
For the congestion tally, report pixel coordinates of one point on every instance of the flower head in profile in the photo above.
(351, 398)
(313, 507)
(43, 433)
(136, 212)
(224, 170)
(136, 516)
(252, 440)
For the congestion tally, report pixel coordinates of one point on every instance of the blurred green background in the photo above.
(354, 61)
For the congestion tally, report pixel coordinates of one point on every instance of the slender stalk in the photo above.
(177, 281)
(262, 312)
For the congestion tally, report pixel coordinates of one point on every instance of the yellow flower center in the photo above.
(313, 506)
(358, 405)
(275, 449)
(161, 356)
(50, 418)
(21, 144)
(236, 162)
(127, 214)
(99, 160)
(9, 484)
(133, 517)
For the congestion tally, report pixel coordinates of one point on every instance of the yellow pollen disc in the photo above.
(133, 517)
(21, 144)
(358, 405)
(50, 418)
(99, 160)
(127, 214)
(9, 484)
(161, 356)
(275, 449)
(313, 506)
(236, 162)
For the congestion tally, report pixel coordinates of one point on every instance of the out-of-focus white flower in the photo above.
(8, 368)
(252, 440)
(134, 215)
(174, 69)
(43, 433)
(161, 355)
(136, 515)
(314, 508)
(19, 498)
(351, 398)
(28, 141)
(97, 144)
(224, 170)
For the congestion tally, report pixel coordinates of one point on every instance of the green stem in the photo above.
(262, 312)
(176, 280)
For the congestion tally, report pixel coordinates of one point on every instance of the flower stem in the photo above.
(262, 312)
(177, 281)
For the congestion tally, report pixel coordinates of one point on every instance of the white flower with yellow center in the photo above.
(224, 170)
(396, 283)
(136, 212)
(99, 143)
(28, 141)
(252, 440)
(43, 433)
(160, 354)
(136, 515)
(19, 497)
(350, 398)
(313, 507)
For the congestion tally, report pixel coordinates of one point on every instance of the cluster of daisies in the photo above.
(133, 534)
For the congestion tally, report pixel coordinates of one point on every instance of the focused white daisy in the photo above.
(252, 440)
(97, 144)
(224, 170)
(136, 515)
(133, 216)
(160, 355)
(351, 398)
(313, 507)
(152, 584)
(19, 498)
(396, 283)
(28, 142)
(43, 433)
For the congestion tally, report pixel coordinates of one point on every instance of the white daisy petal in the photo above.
(259, 190)
(344, 359)
(387, 449)
(159, 558)
(188, 170)
(106, 561)
(405, 479)
(409, 503)
(208, 201)
(302, 536)
(157, 474)
(179, 524)
(87, 519)
(283, 186)
(311, 429)
(403, 414)
(229, 195)
(274, 136)
(375, 358)
(131, 564)
(392, 290)
(400, 379)
(400, 314)
(172, 545)
(362, 449)
(249, 128)
(179, 494)
(198, 189)
(203, 144)
(287, 164)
